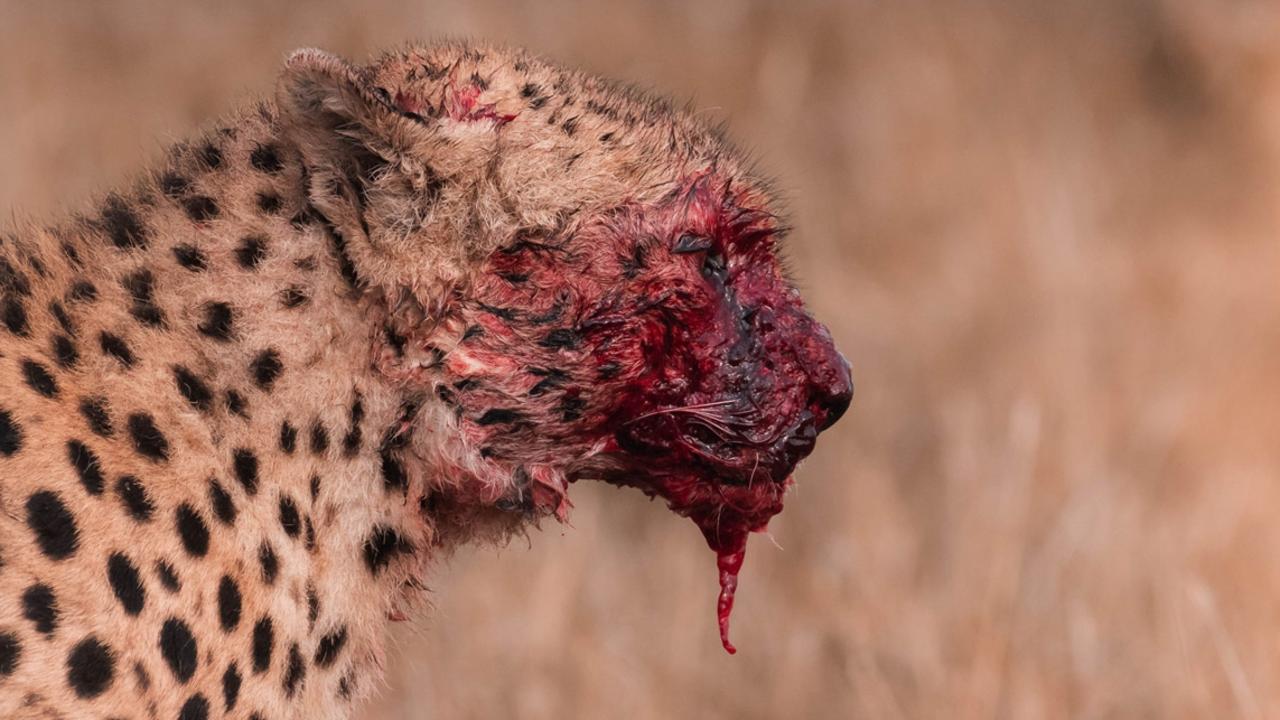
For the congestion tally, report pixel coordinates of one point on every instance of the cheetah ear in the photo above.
(341, 120)
(368, 174)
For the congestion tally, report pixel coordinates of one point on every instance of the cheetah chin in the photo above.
(402, 306)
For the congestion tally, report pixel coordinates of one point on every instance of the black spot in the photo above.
(211, 156)
(141, 287)
(329, 646)
(313, 606)
(134, 496)
(141, 676)
(394, 339)
(39, 379)
(196, 708)
(91, 666)
(72, 254)
(293, 296)
(311, 534)
(529, 90)
(41, 607)
(217, 321)
(147, 438)
(551, 378)
(507, 314)
(351, 441)
(13, 279)
(315, 487)
(606, 137)
(295, 671)
(64, 352)
(289, 518)
(346, 267)
(570, 126)
(245, 464)
(269, 202)
(266, 158)
(174, 185)
(231, 686)
(269, 562)
(10, 653)
(14, 315)
(200, 208)
(266, 368)
(82, 291)
(192, 529)
(393, 475)
(114, 346)
(288, 437)
(94, 410)
(223, 507)
(537, 102)
(319, 438)
(10, 434)
(168, 576)
(125, 583)
(560, 338)
(53, 525)
(252, 251)
(237, 405)
(193, 388)
(178, 648)
(122, 226)
(190, 257)
(228, 604)
(570, 407)
(87, 467)
(263, 637)
(35, 263)
(60, 314)
(382, 545)
(500, 416)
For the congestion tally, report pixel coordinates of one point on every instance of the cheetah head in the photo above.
(578, 280)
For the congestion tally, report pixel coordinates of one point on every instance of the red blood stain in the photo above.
(464, 105)
(663, 346)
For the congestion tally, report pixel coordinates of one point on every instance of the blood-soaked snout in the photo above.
(655, 345)
(744, 384)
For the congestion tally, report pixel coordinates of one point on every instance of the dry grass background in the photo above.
(1044, 232)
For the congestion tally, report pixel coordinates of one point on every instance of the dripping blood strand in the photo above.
(730, 563)
(729, 542)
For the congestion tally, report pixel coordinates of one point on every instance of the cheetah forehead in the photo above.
(563, 139)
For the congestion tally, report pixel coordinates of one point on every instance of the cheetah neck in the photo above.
(216, 302)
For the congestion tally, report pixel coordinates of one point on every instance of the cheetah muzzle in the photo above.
(401, 307)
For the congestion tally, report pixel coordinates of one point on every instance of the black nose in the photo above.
(833, 395)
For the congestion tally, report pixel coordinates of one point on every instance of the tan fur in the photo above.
(589, 145)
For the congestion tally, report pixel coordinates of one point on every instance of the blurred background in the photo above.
(1044, 233)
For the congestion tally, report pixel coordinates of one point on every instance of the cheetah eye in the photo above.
(714, 267)
(713, 263)
(690, 243)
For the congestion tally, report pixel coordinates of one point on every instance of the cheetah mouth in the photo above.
(727, 464)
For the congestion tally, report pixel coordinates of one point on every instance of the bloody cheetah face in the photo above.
(592, 285)
(658, 346)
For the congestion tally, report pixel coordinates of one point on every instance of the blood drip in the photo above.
(729, 541)
(729, 563)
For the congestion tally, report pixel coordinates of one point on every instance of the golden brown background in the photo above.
(1045, 233)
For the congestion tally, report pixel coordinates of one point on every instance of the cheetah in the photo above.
(397, 307)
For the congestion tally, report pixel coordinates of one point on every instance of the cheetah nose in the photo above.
(834, 392)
